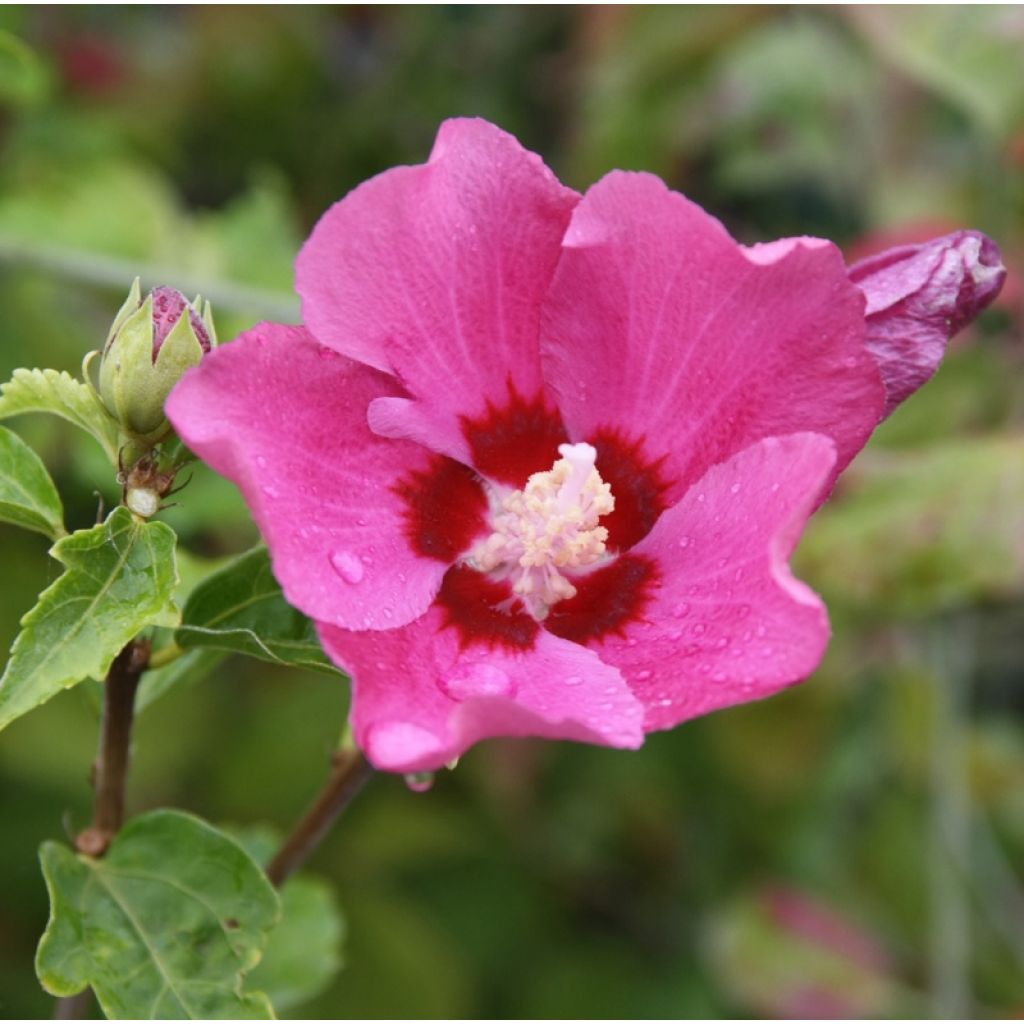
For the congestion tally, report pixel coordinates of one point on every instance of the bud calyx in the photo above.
(151, 344)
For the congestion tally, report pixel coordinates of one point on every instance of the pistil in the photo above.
(549, 528)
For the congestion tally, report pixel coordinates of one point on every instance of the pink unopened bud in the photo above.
(918, 297)
(168, 306)
(151, 344)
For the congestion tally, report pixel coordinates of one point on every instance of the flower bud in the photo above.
(151, 344)
(918, 297)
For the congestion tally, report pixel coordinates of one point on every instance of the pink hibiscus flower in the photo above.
(536, 463)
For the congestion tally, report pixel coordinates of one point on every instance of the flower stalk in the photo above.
(350, 772)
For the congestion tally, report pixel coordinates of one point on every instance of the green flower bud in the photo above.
(151, 344)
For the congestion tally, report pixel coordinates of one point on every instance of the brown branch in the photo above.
(109, 776)
(349, 774)
(76, 1007)
(110, 771)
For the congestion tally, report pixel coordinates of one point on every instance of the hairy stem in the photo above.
(349, 774)
(110, 771)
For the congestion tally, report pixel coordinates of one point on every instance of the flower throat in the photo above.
(549, 526)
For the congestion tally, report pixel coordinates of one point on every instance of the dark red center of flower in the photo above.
(607, 600)
(637, 484)
(447, 514)
(445, 508)
(485, 611)
(511, 443)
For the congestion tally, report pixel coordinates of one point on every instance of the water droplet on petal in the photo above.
(270, 492)
(479, 679)
(261, 462)
(419, 782)
(347, 566)
(735, 488)
(643, 674)
(684, 542)
(573, 680)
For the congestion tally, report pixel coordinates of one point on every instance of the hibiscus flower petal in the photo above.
(421, 697)
(436, 273)
(918, 297)
(724, 621)
(660, 329)
(356, 525)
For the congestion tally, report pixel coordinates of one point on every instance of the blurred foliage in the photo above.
(196, 147)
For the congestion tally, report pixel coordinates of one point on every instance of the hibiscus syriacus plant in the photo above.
(535, 462)
(533, 465)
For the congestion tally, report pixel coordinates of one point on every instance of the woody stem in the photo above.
(110, 776)
(350, 772)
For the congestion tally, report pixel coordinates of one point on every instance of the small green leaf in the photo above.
(59, 393)
(304, 951)
(28, 497)
(241, 608)
(166, 925)
(119, 578)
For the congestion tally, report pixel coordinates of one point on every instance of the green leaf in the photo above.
(304, 951)
(166, 925)
(241, 609)
(119, 578)
(59, 393)
(919, 532)
(28, 497)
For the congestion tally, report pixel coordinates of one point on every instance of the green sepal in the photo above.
(129, 306)
(180, 351)
(127, 359)
(134, 385)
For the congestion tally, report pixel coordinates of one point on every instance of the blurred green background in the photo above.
(852, 847)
